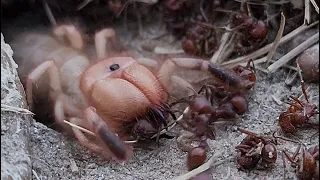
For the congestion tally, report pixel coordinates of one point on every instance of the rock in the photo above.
(15, 134)
(308, 61)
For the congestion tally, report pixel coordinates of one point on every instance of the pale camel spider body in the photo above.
(103, 97)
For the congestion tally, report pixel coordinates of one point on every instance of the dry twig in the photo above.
(293, 53)
(316, 7)
(223, 43)
(291, 77)
(266, 48)
(35, 174)
(9, 108)
(277, 39)
(173, 124)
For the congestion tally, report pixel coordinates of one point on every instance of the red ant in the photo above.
(298, 114)
(304, 162)
(256, 149)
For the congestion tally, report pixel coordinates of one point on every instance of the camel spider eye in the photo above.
(114, 67)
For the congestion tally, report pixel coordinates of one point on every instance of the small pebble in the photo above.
(308, 61)
(196, 157)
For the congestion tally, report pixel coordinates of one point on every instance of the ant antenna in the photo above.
(247, 132)
(286, 139)
(302, 83)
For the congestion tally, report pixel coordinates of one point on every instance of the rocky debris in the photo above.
(15, 124)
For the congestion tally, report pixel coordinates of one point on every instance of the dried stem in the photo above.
(277, 39)
(79, 127)
(49, 13)
(173, 124)
(307, 16)
(316, 7)
(267, 48)
(223, 42)
(91, 133)
(9, 108)
(35, 174)
(293, 53)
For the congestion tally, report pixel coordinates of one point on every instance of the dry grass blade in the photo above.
(163, 50)
(90, 132)
(316, 7)
(35, 174)
(5, 107)
(264, 3)
(201, 168)
(277, 39)
(49, 13)
(223, 42)
(173, 124)
(267, 48)
(290, 79)
(293, 53)
(263, 60)
(227, 50)
(307, 16)
(78, 127)
(73, 166)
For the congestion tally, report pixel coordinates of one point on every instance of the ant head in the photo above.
(201, 104)
(202, 118)
(144, 129)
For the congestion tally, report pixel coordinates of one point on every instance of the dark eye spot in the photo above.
(114, 67)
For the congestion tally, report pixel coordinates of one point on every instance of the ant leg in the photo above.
(304, 91)
(101, 38)
(296, 152)
(241, 146)
(297, 100)
(54, 80)
(247, 132)
(203, 88)
(311, 137)
(71, 33)
(284, 164)
(302, 161)
(291, 158)
(284, 138)
(248, 65)
(316, 155)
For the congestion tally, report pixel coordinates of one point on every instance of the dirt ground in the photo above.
(55, 156)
